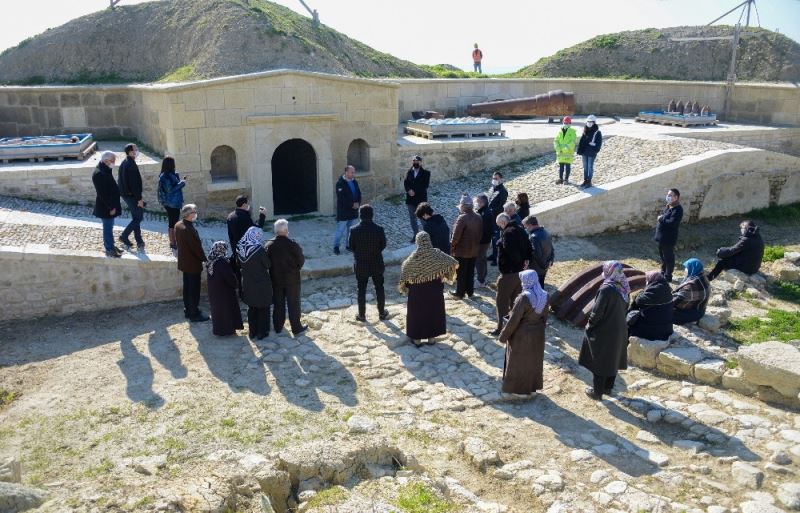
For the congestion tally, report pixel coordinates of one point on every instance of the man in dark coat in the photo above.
(667, 232)
(348, 199)
(416, 186)
(605, 344)
(542, 245)
(482, 200)
(467, 232)
(513, 255)
(239, 221)
(367, 242)
(287, 259)
(130, 189)
(745, 255)
(190, 262)
(497, 200)
(435, 226)
(106, 203)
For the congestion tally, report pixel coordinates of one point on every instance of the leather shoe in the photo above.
(302, 330)
(591, 395)
(495, 333)
(336, 250)
(125, 242)
(113, 254)
(383, 315)
(456, 296)
(199, 318)
(361, 318)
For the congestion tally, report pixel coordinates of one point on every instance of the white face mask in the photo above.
(590, 124)
(670, 198)
(495, 182)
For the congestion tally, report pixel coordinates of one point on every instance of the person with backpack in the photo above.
(170, 195)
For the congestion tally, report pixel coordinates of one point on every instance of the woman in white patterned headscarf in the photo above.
(524, 338)
(256, 282)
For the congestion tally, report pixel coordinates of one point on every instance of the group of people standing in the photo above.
(566, 143)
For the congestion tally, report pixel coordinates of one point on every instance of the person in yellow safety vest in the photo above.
(564, 144)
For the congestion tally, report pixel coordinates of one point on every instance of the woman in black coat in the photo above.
(226, 317)
(256, 283)
(605, 345)
(654, 306)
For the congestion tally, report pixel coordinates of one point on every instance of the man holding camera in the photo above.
(130, 189)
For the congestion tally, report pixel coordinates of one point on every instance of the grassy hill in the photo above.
(190, 39)
(764, 56)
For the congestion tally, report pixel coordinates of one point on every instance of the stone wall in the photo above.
(107, 112)
(49, 282)
(448, 160)
(751, 103)
(714, 184)
(784, 140)
(70, 184)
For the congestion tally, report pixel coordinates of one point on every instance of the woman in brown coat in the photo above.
(524, 338)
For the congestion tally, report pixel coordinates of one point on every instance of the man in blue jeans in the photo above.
(348, 199)
(130, 189)
(106, 203)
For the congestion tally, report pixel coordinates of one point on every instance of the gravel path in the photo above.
(621, 156)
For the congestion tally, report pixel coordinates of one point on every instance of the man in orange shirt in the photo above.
(477, 56)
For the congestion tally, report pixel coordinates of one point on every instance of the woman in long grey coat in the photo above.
(256, 283)
(523, 335)
(605, 344)
(226, 317)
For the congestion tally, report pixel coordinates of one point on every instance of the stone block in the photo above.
(191, 119)
(734, 379)
(15, 497)
(643, 353)
(70, 100)
(678, 361)
(772, 364)
(20, 115)
(789, 495)
(116, 99)
(215, 99)
(479, 453)
(747, 475)
(715, 318)
(238, 98)
(710, 371)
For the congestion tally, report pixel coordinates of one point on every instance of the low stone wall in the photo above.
(750, 103)
(715, 184)
(71, 184)
(448, 160)
(108, 112)
(41, 281)
(783, 140)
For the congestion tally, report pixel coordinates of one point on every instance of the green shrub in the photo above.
(777, 325)
(328, 497)
(772, 253)
(778, 215)
(605, 41)
(786, 291)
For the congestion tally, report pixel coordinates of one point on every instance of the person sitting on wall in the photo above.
(745, 255)
(691, 296)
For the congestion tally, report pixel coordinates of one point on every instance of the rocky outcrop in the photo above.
(775, 366)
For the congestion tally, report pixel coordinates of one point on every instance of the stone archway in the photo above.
(294, 178)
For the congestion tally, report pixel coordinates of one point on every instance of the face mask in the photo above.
(669, 198)
(495, 182)
(590, 124)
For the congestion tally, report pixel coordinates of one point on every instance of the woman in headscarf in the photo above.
(605, 344)
(222, 284)
(256, 283)
(523, 335)
(421, 276)
(650, 315)
(691, 296)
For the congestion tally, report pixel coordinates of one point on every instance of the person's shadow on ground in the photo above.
(167, 353)
(302, 369)
(138, 372)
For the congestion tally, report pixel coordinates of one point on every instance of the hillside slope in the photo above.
(190, 39)
(764, 56)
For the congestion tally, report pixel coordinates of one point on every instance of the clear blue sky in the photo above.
(512, 33)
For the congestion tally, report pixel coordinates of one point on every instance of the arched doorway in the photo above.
(294, 178)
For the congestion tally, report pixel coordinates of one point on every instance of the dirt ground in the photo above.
(125, 410)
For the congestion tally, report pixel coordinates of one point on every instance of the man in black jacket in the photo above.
(239, 221)
(367, 242)
(435, 226)
(667, 232)
(416, 186)
(106, 203)
(482, 200)
(542, 247)
(287, 259)
(497, 200)
(348, 199)
(745, 255)
(514, 253)
(130, 189)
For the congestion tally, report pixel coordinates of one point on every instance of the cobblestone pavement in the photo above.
(621, 156)
(658, 445)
